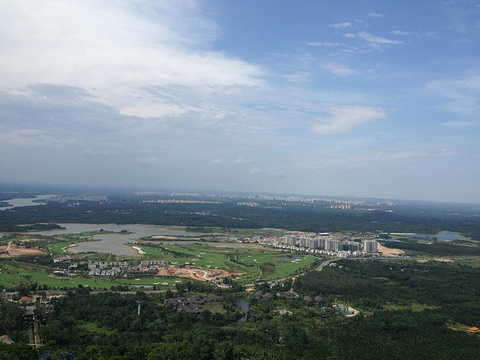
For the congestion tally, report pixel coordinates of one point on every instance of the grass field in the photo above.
(249, 263)
(245, 260)
(14, 275)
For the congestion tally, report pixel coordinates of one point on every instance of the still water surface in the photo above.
(112, 243)
(25, 202)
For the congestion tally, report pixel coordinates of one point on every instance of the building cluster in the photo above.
(107, 269)
(148, 268)
(248, 203)
(325, 244)
(64, 198)
(342, 206)
(180, 201)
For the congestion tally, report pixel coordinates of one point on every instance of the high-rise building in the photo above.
(312, 243)
(304, 242)
(331, 245)
(370, 246)
(290, 239)
(321, 242)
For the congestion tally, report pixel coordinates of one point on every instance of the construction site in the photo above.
(163, 268)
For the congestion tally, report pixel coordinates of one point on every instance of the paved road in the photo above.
(323, 264)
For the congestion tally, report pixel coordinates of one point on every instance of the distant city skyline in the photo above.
(372, 99)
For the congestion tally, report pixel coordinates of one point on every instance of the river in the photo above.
(18, 202)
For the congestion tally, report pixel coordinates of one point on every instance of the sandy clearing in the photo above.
(388, 251)
(134, 251)
(436, 259)
(14, 250)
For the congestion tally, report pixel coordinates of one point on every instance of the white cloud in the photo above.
(461, 125)
(299, 77)
(113, 48)
(462, 95)
(375, 15)
(226, 161)
(340, 70)
(372, 40)
(341, 25)
(376, 40)
(270, 172)
(400, 32)
(31, 138)
(325, 43)
(150, 160)
(344, 118)
(243, 161)
(154, 110)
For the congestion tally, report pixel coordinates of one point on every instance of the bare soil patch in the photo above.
(13, 250)
(388, 251)
(197, 274)
(436, 259)
(134, 251)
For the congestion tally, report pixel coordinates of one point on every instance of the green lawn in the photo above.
(13, 276)
(250, 263)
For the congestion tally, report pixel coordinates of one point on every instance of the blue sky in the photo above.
(364, 98)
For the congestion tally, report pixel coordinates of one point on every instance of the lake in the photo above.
(441, 236)
(112, 243)
(449, 236)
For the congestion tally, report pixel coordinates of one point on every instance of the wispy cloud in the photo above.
(376, 41)
(342, 119)
(341, 25)
(270, 172)
(299, 77)
(34, 138)
(402, 33)
(340, 70)
(462, 125)
(462, 95)
(227, 161)
(325, 43)
(150, 160)
(375, 15)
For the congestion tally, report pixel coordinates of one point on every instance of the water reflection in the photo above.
(113, 243)
(18, 202)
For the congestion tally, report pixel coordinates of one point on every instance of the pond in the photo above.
(291, 258)
(244, 306)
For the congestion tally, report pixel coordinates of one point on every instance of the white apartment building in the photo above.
(370, 246)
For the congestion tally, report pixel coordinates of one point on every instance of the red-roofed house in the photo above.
(26, 301)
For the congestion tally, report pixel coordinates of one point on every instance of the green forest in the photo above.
(281, 304)
(316, 217)
(406, 310)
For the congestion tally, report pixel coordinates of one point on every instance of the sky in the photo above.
(372, 98)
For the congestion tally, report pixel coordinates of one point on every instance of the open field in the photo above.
(16, 274)
(389, 251)
(246, 263)
(254, 262)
